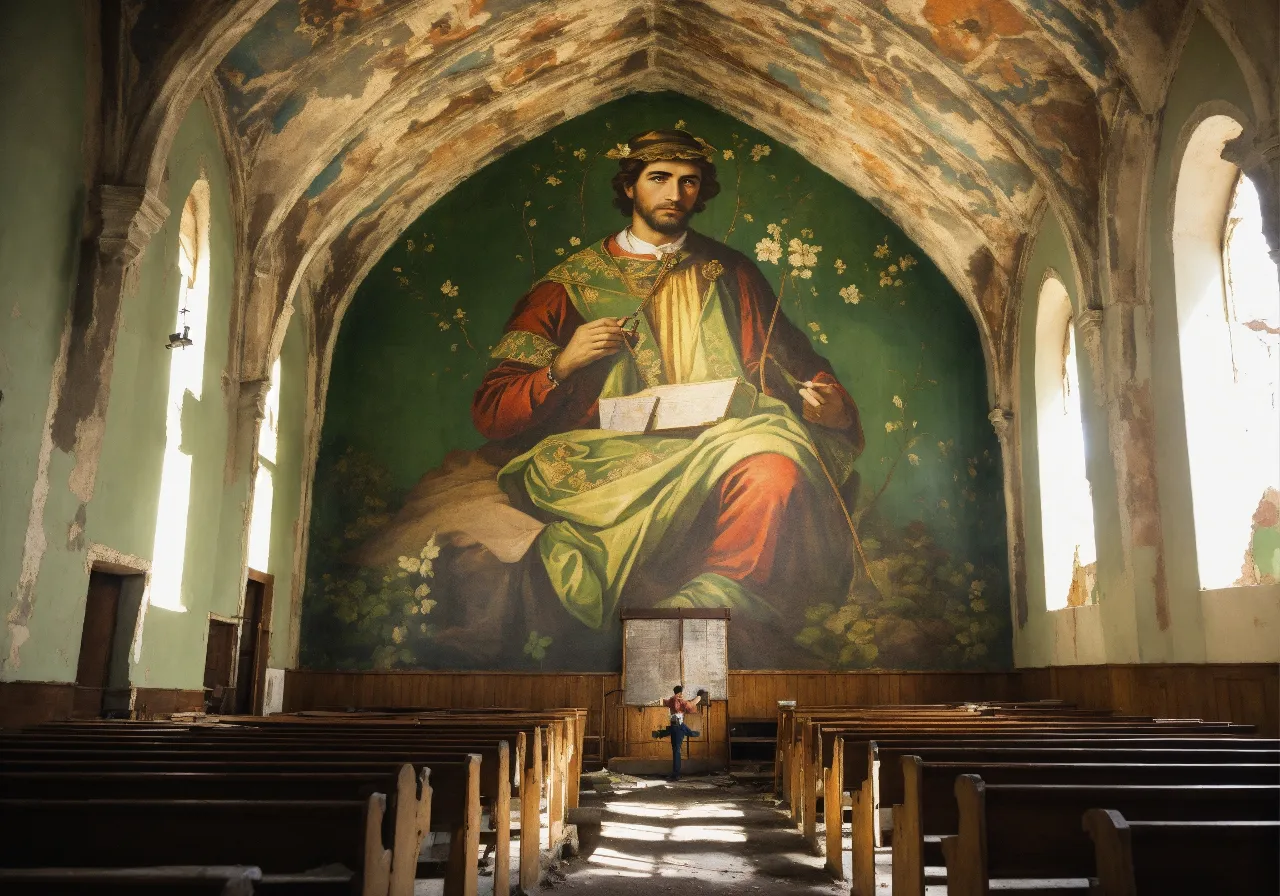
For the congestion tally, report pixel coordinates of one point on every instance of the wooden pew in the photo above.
(792, 721)
(564, 740)
(179, 880)
(553, 756)
(211, 745)
(856, 765)
(557, 740)
(1035, 831)
(284, 837)
(410, 804)
(445, 759)
(926, 809)
(860, 775)
(448, 803)
(1160, 858)
(815, 751)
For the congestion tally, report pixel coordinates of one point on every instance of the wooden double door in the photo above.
(110, 614)
(235, 667)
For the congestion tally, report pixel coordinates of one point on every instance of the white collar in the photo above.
(636, 246)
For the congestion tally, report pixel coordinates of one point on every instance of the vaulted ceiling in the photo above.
(957, 118)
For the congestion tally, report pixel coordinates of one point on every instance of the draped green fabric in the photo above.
(617, 497)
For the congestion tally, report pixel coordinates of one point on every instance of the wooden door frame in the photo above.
(262, 645)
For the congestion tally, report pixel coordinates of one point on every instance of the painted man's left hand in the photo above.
(824, 404)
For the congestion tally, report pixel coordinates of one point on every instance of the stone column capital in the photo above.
(128, 217)
(1002, 422)
(1089, 326)
(1256, 152)
(252, 400)
(1254, 147)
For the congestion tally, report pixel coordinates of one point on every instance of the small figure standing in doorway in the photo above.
(677, 730)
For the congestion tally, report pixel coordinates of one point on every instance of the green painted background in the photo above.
(411, 352)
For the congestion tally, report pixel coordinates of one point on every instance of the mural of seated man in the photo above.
(743, 514)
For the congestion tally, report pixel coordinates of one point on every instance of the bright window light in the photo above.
(1228, 302)
(264, 481)
(1066, 500)
(186, 377)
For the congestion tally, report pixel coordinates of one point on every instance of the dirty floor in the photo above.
(703, 835)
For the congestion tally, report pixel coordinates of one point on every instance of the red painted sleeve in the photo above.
(514, 397)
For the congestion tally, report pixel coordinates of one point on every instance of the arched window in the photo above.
(1066, 502)
(264, 481)
(186, 378)
(1228, 302)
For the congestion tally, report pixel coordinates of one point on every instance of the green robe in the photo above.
(620, 500)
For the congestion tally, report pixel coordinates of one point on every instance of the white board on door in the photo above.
(658, 654)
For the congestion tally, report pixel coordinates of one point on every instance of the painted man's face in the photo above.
(665, 194)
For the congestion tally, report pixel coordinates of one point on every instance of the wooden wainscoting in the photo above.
(25, 703)
(1247, 693)
(755, 695)
(752, 695)
(305, 689)
(1220, 692)
(160, 703)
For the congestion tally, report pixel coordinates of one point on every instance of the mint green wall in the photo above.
(404, 371)
(121, 515)
(1050, 252)
(1122, 627)
(288, 484)
(42, 65)
(124, 510)
(1206, 73)
(1072, 635)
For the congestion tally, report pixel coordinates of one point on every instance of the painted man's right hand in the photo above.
(589, 343)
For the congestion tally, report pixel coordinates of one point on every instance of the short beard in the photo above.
(668, 227)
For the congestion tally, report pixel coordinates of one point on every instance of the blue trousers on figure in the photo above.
(678, 731)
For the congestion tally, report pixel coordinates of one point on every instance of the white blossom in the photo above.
(768, 250)
(802, 255)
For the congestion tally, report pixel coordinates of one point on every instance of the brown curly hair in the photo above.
(629, 171)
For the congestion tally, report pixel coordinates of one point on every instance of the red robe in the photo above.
(761, 498)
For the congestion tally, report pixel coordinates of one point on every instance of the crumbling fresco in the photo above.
(930, 118)
(398, 576)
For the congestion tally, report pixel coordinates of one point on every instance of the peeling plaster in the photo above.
(960, 119)
(34, 545)
(75, 532)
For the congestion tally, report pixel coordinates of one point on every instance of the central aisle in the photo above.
(698, 836)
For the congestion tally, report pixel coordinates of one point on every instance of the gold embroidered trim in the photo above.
(525, 348)
(556, 466)
(712, 270)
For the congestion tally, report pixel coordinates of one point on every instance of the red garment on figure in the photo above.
(677, 703)
(517, 405)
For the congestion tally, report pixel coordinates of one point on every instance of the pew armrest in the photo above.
(1112, 850)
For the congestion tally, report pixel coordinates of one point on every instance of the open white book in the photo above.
(678, 406)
